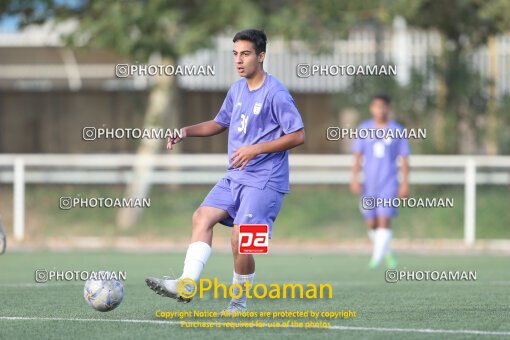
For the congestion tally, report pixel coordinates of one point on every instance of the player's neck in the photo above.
(381, 123)
(256, 80)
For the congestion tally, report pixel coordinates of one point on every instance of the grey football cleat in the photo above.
(234, 307)
(164, 287)
(167, 287)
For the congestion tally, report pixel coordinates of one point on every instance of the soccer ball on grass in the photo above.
(103, 293)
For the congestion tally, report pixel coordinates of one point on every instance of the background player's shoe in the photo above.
(234, 307)
(391, 260)
(167, 287)
(373, 264)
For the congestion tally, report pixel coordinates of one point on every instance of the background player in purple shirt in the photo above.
(380, 174)
(263, 124)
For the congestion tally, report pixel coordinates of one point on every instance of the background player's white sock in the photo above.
(371, 234)
(388, 242)
(196, 257)
(241, 279)
(381, 244)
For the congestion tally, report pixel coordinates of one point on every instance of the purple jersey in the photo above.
(380, 169)
(257, 116)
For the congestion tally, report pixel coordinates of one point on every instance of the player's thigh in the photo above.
(371, 222)
(384, 215)
(369, 215)
(383, 221)
(218, 205)
(206, 216)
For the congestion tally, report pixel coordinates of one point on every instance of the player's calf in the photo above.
(197, 254)
(244, 271)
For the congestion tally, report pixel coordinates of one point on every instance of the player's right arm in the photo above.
(356, 169)
(209, 128)
(205, 129)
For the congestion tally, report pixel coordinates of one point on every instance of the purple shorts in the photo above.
(371, 207)
(245, 204)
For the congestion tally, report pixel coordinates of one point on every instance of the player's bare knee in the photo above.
(200, 220)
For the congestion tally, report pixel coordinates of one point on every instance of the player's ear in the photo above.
(261, 57)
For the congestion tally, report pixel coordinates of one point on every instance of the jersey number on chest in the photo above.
(244, 123)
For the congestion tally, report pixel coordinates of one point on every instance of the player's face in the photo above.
(379, 110)
(246, 59)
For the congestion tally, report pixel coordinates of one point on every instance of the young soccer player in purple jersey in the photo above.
(380, 172)
(263, 124)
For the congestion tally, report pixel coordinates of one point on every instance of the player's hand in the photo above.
(403, 190)
(243, 155)
(355, 187)
(176, 139)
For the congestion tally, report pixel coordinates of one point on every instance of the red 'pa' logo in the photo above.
(253, 239)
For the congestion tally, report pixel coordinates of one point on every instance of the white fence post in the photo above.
(470, 202)
(19, 199)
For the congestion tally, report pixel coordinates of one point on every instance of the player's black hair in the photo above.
(384, 97)
(257, 37)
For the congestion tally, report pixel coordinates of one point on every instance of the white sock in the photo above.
(241, 279)
(196, 257)
(381, 243)
(371, 234)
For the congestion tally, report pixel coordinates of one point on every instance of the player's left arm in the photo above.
(404, 169)
(243, 155)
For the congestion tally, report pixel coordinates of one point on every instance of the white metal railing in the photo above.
(21, 169)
